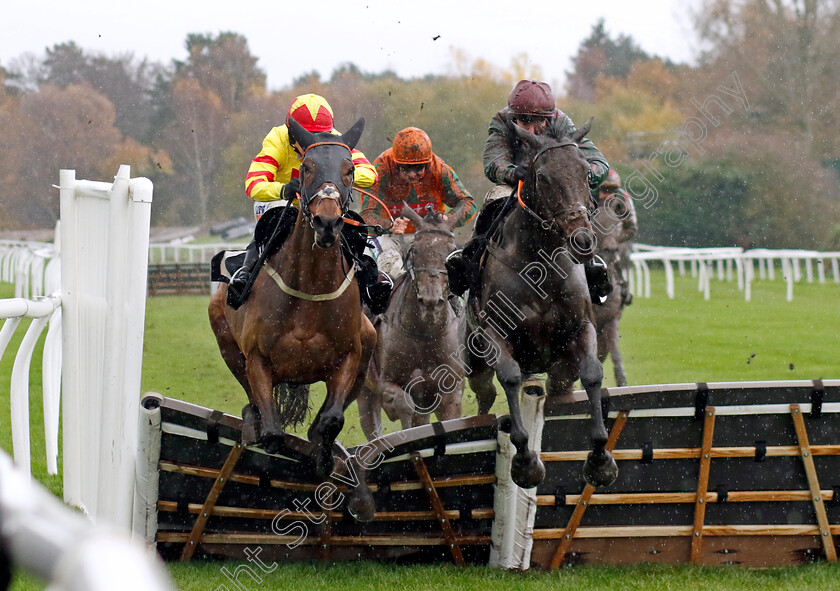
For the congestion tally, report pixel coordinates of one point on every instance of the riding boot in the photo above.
(598, 280)
(457, 272)
(374, 286)
(461, 266)
(236, 295)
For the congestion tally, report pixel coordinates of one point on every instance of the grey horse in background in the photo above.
(614, 223)
(417, 368)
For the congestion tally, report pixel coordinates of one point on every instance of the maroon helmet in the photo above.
(531, 97)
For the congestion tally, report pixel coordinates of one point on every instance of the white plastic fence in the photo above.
(104, 252)
(100, 309)
(730, 264)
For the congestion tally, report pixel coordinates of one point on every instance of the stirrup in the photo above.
(236, 288)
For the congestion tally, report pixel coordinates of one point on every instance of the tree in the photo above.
(601, 55)
(124, 81)
(55, 128)
(223, 65)
(786, 55)
(195, 139)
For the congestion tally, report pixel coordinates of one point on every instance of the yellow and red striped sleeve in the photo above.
(273, 167)
(365, 174)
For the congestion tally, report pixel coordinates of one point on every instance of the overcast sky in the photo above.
(291, 38)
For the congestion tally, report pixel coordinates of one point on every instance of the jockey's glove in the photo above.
(291, 189)
(514, 174)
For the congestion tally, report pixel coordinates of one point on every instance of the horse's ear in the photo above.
(412, 215)
(303, 137)
(530, 140)
(352, 135)
(455, 215)
(581, 131)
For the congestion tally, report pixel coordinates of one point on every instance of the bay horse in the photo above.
(416, 368)
(530, 311)
(303, 322)
(610, 231)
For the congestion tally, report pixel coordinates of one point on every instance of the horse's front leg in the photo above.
(258, 370)
(600, 468)
(370, 412)
(527, 469)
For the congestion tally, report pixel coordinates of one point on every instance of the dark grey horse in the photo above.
(614, 225)
(416, 368)
(531, 310)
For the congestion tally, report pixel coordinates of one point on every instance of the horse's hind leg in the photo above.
(600, 468)
(481, 383)
(612, 337)
(228, 347)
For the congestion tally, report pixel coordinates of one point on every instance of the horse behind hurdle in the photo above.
(612, 235)
(303, 322)
(530, 311)
(416, 368)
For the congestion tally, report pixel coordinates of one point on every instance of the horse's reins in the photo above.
(567, 215)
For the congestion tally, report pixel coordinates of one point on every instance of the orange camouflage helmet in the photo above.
(412, 146)
(613, 181)
(312, 111)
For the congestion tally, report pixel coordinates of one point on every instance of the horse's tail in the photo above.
(292, 401)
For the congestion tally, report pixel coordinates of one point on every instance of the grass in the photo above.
(686, 339)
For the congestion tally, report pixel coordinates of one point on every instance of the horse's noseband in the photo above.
(331, 191)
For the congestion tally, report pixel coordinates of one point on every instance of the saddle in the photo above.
(272, 231)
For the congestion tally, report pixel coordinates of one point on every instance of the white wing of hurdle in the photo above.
(104, 263)
(94, 346)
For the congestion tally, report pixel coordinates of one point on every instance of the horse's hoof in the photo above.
(361, 506)
(527, 470)
(600, 470)
(272, 444)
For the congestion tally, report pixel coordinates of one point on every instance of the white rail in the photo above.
(731, 264)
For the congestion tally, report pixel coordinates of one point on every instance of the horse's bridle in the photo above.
(342, 198)
(566, 216)
(433, 271)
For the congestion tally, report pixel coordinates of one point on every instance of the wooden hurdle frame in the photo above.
(740, 473)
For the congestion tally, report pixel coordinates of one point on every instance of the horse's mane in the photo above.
(433, 217)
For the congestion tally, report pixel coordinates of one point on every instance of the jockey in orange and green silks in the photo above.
(272, 176)
(410, 172)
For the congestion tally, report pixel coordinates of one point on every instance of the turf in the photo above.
(686, 339)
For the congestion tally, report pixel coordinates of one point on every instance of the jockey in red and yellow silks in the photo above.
(278, 163)
(273, 180)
